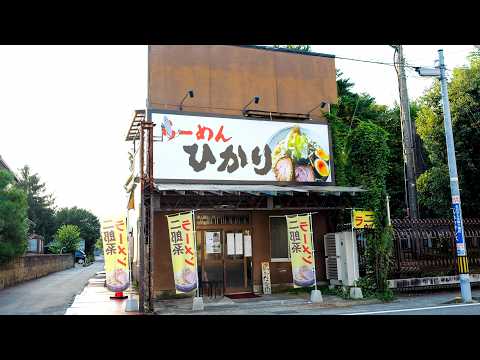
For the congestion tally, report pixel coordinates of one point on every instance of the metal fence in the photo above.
(426, 247)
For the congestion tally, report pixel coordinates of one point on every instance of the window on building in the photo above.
(32, 245)
(279, 239)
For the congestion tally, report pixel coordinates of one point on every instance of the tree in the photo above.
(464, 96)
(41, 208)
(13, 218)
(304, 48)
(67, 239)
(87, 222)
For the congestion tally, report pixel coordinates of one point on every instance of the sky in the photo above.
(65, 110)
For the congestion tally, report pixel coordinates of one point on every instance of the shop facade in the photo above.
(229, 133)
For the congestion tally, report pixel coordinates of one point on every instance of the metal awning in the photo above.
(134, 131)
(271, 190)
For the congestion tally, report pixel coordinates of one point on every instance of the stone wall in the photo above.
(30, 267)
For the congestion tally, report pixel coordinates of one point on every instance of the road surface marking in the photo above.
(412, 309)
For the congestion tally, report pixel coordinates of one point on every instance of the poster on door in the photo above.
(183, 251)
(212, 242)
(301, 250)
(115, 250)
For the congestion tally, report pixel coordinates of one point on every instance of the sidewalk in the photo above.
(95, 300)
(275, 304)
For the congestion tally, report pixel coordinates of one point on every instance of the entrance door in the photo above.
(237, 261)
(227, 258)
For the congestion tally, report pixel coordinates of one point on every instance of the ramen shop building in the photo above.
(239, 135)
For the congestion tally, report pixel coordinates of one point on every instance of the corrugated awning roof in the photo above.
(134, 131)
(258, 189)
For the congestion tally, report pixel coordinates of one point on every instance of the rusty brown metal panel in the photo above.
(303, 82)
(225, 78)
(175, 69)
(238, 74)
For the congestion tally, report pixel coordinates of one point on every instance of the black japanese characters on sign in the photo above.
(230, 161)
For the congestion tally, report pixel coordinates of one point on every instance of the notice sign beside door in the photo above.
(248, 245)
(238, 244)
(267, 287)
(234, 244)
(230, 244)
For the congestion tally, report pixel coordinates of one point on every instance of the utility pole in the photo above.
(455, 189)
(408, 132)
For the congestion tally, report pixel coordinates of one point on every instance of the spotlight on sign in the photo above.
(255, 99)
(188, 94)
(321, 106)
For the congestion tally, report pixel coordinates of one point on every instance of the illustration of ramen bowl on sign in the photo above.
(185, 280)
(117, 280)
(303, 276)
(296, 156)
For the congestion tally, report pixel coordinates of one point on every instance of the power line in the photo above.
(369, 61)
(379, 62)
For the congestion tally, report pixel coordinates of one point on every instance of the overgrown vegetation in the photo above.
(13, 218)
(363, 157)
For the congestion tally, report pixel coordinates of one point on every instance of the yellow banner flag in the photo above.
(182, 247)
(301, 250)
(363, 219)
(115, 250)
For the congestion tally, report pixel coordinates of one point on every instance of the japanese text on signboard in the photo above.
(183, 252)
(301, 249)
(460, 241)
(212, 148)
(363, 219)
(115, 249)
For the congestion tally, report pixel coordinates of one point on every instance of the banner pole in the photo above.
(313, 251)
(354, 240)
(196, 255)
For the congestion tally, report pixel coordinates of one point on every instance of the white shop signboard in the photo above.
(238, 149)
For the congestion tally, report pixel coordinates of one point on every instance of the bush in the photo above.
(66, 238)
(368, 286)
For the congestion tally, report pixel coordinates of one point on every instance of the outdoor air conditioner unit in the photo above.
(341, 258)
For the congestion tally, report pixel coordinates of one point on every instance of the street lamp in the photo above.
(462, 259)
(428, 72)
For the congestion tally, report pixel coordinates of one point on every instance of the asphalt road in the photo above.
(433, 303)
(49, 295)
